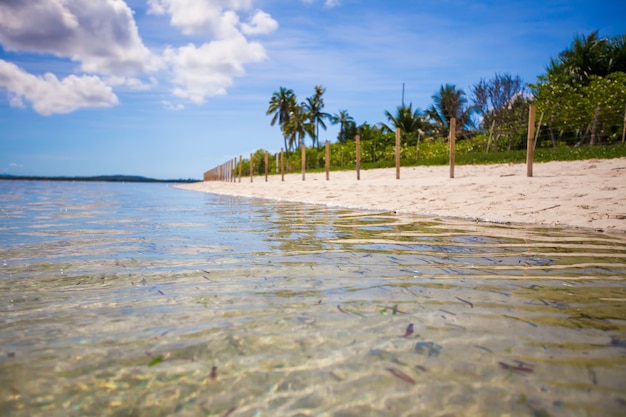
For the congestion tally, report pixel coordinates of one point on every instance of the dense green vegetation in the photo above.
(580, 100)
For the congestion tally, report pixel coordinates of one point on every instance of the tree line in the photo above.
(581, 98)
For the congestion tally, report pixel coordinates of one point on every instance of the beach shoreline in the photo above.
(587, 194)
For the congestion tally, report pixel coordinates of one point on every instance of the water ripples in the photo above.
(120, 299)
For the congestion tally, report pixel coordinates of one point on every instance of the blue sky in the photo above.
(171, 88)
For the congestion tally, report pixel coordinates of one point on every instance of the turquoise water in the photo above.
(146, 300)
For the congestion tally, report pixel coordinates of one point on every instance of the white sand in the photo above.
(589, 194)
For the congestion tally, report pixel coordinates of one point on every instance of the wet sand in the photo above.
(586, 194)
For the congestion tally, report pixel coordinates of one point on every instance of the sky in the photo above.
(171, 88)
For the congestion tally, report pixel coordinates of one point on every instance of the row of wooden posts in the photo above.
(231, 170)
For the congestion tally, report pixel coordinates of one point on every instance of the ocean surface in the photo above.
(120, 299)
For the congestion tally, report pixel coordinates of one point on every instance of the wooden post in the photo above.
(624, 129)
(282, 164)
(358, 157)
(397, 153)
(417, 146)
(327, 161)
(267, 163)
(303, 149)
(594, 127)
(251, 168)
(240, 164)
(530, 152)
(452, 141)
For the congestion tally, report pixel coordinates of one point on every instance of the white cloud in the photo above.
(327, 3)
(100, 34)
(209, 69)
(217, 18)
(50, 95)
(171, 106)
(131, 83)
(260, 24)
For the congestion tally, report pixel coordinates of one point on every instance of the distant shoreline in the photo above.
(99, 178)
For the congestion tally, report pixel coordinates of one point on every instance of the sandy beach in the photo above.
(586, 194)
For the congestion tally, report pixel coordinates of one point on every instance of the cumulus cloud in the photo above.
(209, 69)
(217, 18)
(260, 24)
(103, 38)
(49, 95)
(99, 34)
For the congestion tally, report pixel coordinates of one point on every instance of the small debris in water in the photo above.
(229, 412)
(401, 375)
(428, 348)
(465, 301)
(213, 372)
(520, 367)
(156, 361)
(486, 349)
(522, 320)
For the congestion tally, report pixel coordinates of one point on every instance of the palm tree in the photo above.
(448, 103)
(281, 105)
(588, 55)
(298, 125)
(405, 118)
(314, 106)
(343, 119)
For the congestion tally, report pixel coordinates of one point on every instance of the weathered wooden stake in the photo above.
(267, 163)
(327, 161)
(530, 147)
(240, 164)
(397, 153)
(417, 145)
(358, 157)
(251, 168)
(303, 149)
(282, 164)
(624, 129)
(452, 141)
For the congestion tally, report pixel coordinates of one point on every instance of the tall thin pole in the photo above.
(358, 157)
(530, 152)
(282, 164)
(402, 94)
(303, 149)
(397, 153)
(624, 130)
(452, 145)
(327, 160)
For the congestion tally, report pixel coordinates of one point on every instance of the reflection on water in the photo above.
(143, 300)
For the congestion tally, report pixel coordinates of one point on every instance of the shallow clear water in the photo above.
(145, 300)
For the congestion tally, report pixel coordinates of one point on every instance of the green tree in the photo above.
(407, 119)
(282, 105)
(582, 91)
(314, 110)
(500, 103)
(587, 56)
(448, 103)
(298, 126)
(344, 120)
